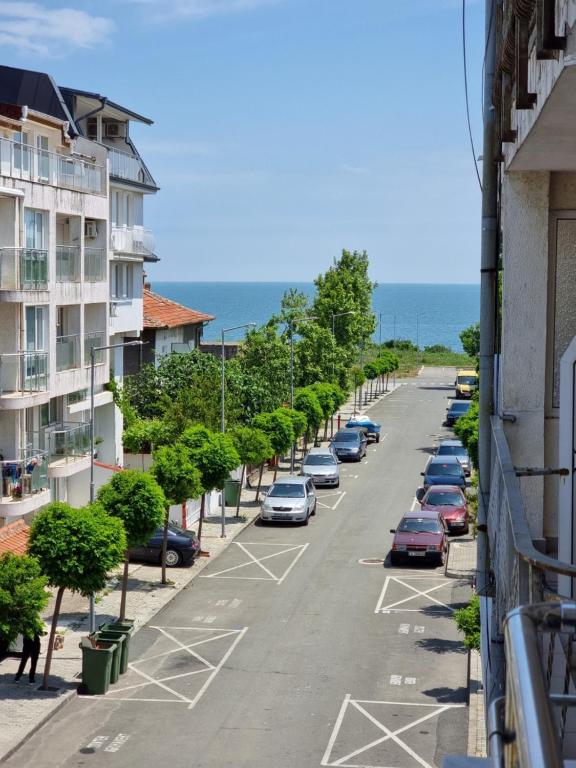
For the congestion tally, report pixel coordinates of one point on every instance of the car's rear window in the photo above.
(441, 498)
(346, 437)
(451, 450)
(460, 407)
(416, 525)
(287, 490)
(437, 468)
(319, 460)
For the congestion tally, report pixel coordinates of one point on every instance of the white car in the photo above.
(290, 499)
(322, 466)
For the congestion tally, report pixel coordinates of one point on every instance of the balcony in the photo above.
(94, 265)
(23, 373)
(94, 339)
(24, 483)
(67, 264)
(135, 241)
(23, 269)
(66, 446)
(67, 352)
(28, 163)
(128, 167)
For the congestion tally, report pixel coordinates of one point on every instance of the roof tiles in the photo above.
(14, 538)
(160, 312)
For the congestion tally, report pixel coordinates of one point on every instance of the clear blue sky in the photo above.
(285, 130)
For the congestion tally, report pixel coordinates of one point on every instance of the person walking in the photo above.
(30, 650)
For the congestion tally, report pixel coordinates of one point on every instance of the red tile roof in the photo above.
(160, 312)
(14, 538)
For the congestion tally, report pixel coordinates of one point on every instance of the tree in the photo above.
(145, 434)
(23, 596)
(358, 379)
(317, 355)
(298, 420)
(265, 358)
(306, 401)
(76, 549)
(253, 447)
(470, 338)
(179, 479)
(326, 395)
(278, 426)
(371, 371)
(466, 427)
(136, 499)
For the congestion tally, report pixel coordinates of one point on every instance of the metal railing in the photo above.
(124, 165)
(24, 477)
(67, 263)
(22, 373)
(29, 163)
(63, 440)
(94, 339)
(94, 265)
(23, 269)
(133, 240)
(67, 352)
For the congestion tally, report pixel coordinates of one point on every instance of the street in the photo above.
(288, 650)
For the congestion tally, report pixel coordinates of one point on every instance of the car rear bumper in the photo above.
(422, 557)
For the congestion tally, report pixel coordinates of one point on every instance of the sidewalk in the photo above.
(24, 708)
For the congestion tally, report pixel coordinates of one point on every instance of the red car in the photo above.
(450, 502)
(421, 535)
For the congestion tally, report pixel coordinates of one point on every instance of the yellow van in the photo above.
(466, 383)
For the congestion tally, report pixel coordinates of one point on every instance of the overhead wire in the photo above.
(465, 63)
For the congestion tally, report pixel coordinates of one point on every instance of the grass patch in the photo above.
(411, 360)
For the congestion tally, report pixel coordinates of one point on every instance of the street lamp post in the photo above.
(222, 412)
(93, 350)
(291, 331)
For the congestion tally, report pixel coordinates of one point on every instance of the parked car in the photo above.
(420, 535)
(444, 470)
(372, 428)
(450, 502)
(466, 383)
(182, 548)
(457, 408)
(455, 448)
(349, 444)
(322, 466)
(291, 499)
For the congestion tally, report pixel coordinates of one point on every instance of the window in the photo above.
(34, 229)
(43, 157)
(21, 151)
(35, 329)
(122, 281)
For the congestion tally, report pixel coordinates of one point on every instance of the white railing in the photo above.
(133, 240)
(67, 264)
(94, 339)
(22, 373)
(24, 269)
(124, 165)
(23, 161)
(94, 265)
(67, 352)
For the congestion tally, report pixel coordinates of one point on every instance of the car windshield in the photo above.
(467, 380)
(319, 460)
(452, 450)
(442, 498)
(460, 407)
(287, 490)
(415, 525)
(444, 469)
(346, 437)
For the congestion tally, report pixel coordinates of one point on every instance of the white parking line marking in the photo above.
(339, 500)
(414, 504)
(258, 561)
(404, 629)
(380, 608)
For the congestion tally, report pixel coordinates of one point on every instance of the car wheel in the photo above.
(394, 559)
(173, 558)
(307, 520)
(337, 484)
(377, 438)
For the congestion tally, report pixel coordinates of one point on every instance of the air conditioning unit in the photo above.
(90, 229)
(115, 130)
(92, 128)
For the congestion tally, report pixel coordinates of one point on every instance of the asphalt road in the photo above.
(289, 652)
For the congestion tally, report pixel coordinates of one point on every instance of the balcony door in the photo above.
(567, 458)
(35, 329)
(43, 158)
(35, 366)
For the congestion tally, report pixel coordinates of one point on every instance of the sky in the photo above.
(284, 130)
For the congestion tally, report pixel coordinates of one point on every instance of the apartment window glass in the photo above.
(122, 279)
(34, 229)
(43, 157)
(35, 329)
(21, 151)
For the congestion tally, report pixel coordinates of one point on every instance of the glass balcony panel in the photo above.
(67, 264)
(67, 355)
(123, 165)
(23, 373)
(133, 240)
(94, 339)
(94, 265)
(24, 269)
(26, 476)
(64, 440)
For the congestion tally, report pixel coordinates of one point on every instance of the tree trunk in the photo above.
(387, 375)
(276, 464)
(124, 589)
(165, 544)
(202, 503)
(259, 481)
(332, 426)
(316, 437)
(55, 617)
(240, 494)
(325, 430)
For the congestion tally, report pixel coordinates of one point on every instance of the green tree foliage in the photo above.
(136, 499)
(76, 549)
(357, 376)
(346, 287)
(265, 361)
(404, 345)
(317, 357)
(278, 426)
(298, 421)
(294, 305)
(142, 435)
(437, 349)
(23, 596)
(470, 338)
(468, 622)
(251, 444)
(306, 401)
(466, 427)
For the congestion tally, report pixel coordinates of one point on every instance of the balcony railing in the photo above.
(22, 478)
(94, 339)
(123, 165)
(62, 441)
(136, 241)
(23, 269)
(67, 263)
(22, 373)
(26, 162)
(94, 265)
(67, 352)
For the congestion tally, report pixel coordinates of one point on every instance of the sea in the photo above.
(425, 314)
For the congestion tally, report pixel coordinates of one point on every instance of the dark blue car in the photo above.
(371, 427)
(444, 470)
(181, 549)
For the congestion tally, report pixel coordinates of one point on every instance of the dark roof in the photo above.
(36, 90)
(68, 92)
(160, 312)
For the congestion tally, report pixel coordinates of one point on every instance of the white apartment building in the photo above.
(72, 244)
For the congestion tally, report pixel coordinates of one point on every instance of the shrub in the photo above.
(468, 622)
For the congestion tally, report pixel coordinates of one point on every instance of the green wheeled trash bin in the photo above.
(96, 665)
(126, 627)
(231, 493)
(120, 638)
